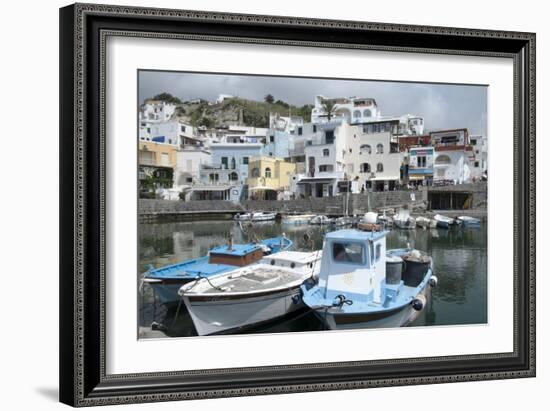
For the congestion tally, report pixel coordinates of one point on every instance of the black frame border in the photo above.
(83, 31)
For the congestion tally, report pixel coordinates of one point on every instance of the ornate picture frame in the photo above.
(84, 29)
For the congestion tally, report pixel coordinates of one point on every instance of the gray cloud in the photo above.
(441, 105)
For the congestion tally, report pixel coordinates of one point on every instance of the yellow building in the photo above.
(268, 176)
(157, 162)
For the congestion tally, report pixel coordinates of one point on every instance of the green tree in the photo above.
(269, 99)
(167, 97)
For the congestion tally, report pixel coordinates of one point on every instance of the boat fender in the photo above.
(296, 299)
(419, 302)
(340, 300)
(433, 281)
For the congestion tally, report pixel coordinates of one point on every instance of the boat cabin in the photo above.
(354, 265)
(238, 255)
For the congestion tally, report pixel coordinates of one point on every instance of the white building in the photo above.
(156, 123)
(223, 97)
(188, 165)
(156, 110)
(453, 156)
(355, 110)
(352, 109)
(372, 158)
(224, 178)
(479, 161)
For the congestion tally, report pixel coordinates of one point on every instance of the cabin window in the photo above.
(351, 253)
(378, 252)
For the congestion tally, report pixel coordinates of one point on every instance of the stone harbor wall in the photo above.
(152, 210)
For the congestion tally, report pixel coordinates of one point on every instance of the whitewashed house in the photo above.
(453, 153)
(372, 155)
(188, 166)
(478, 163)
(156, 123)
(224, 178)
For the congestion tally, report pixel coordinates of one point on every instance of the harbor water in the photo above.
(459, 261)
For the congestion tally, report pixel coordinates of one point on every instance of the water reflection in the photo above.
(459, 255)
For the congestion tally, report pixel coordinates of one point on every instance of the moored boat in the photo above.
(362, 286)
(423, 222)
(167, 280)
(443, 221)
(321, 220)
(297, 218)
(404, 220)
(255, 216)
(252, 295)
(468, 221)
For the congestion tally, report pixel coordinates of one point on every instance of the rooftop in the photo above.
(350, 234)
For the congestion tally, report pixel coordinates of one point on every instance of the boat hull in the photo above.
(225, 315)
(398, 317)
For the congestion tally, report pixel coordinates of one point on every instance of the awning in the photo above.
(422, 177)
(211, 188)
(316, 180)
(383, 178)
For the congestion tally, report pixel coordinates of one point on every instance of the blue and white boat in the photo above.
(467, 221)
(443, 221)
(361, 285)
(167, 280)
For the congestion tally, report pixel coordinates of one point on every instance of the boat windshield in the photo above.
(351, 253)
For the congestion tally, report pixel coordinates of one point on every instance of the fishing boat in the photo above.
(404, 220)
(255, 216)
(321, 220)
(167, 280)
(385, 220)
(297, 218)
(468, 221)
(344, 221)
(443, 221)
(423, 222)
(252, 295)
(360, 285)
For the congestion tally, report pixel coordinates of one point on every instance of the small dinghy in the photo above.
(467, 221)
(321, 220)
(297, 218)
(362, 286)
(443, 221)
(167, 280)
(251, 295)
(258, 216)
(404, 220)
(423, 222)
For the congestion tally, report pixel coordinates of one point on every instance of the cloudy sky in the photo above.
(441, 105)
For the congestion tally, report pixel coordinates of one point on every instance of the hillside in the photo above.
(234, 111)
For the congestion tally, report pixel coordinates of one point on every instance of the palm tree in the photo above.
(329, 106)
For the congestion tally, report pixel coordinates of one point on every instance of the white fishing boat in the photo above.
(321, 220)
(404, 220)
(433, 223)
(443, 221)
(255, 216)
(344, 221)
(251, 295)
(297, 218)
(361, 285)
(423, 222)
(385, 220)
